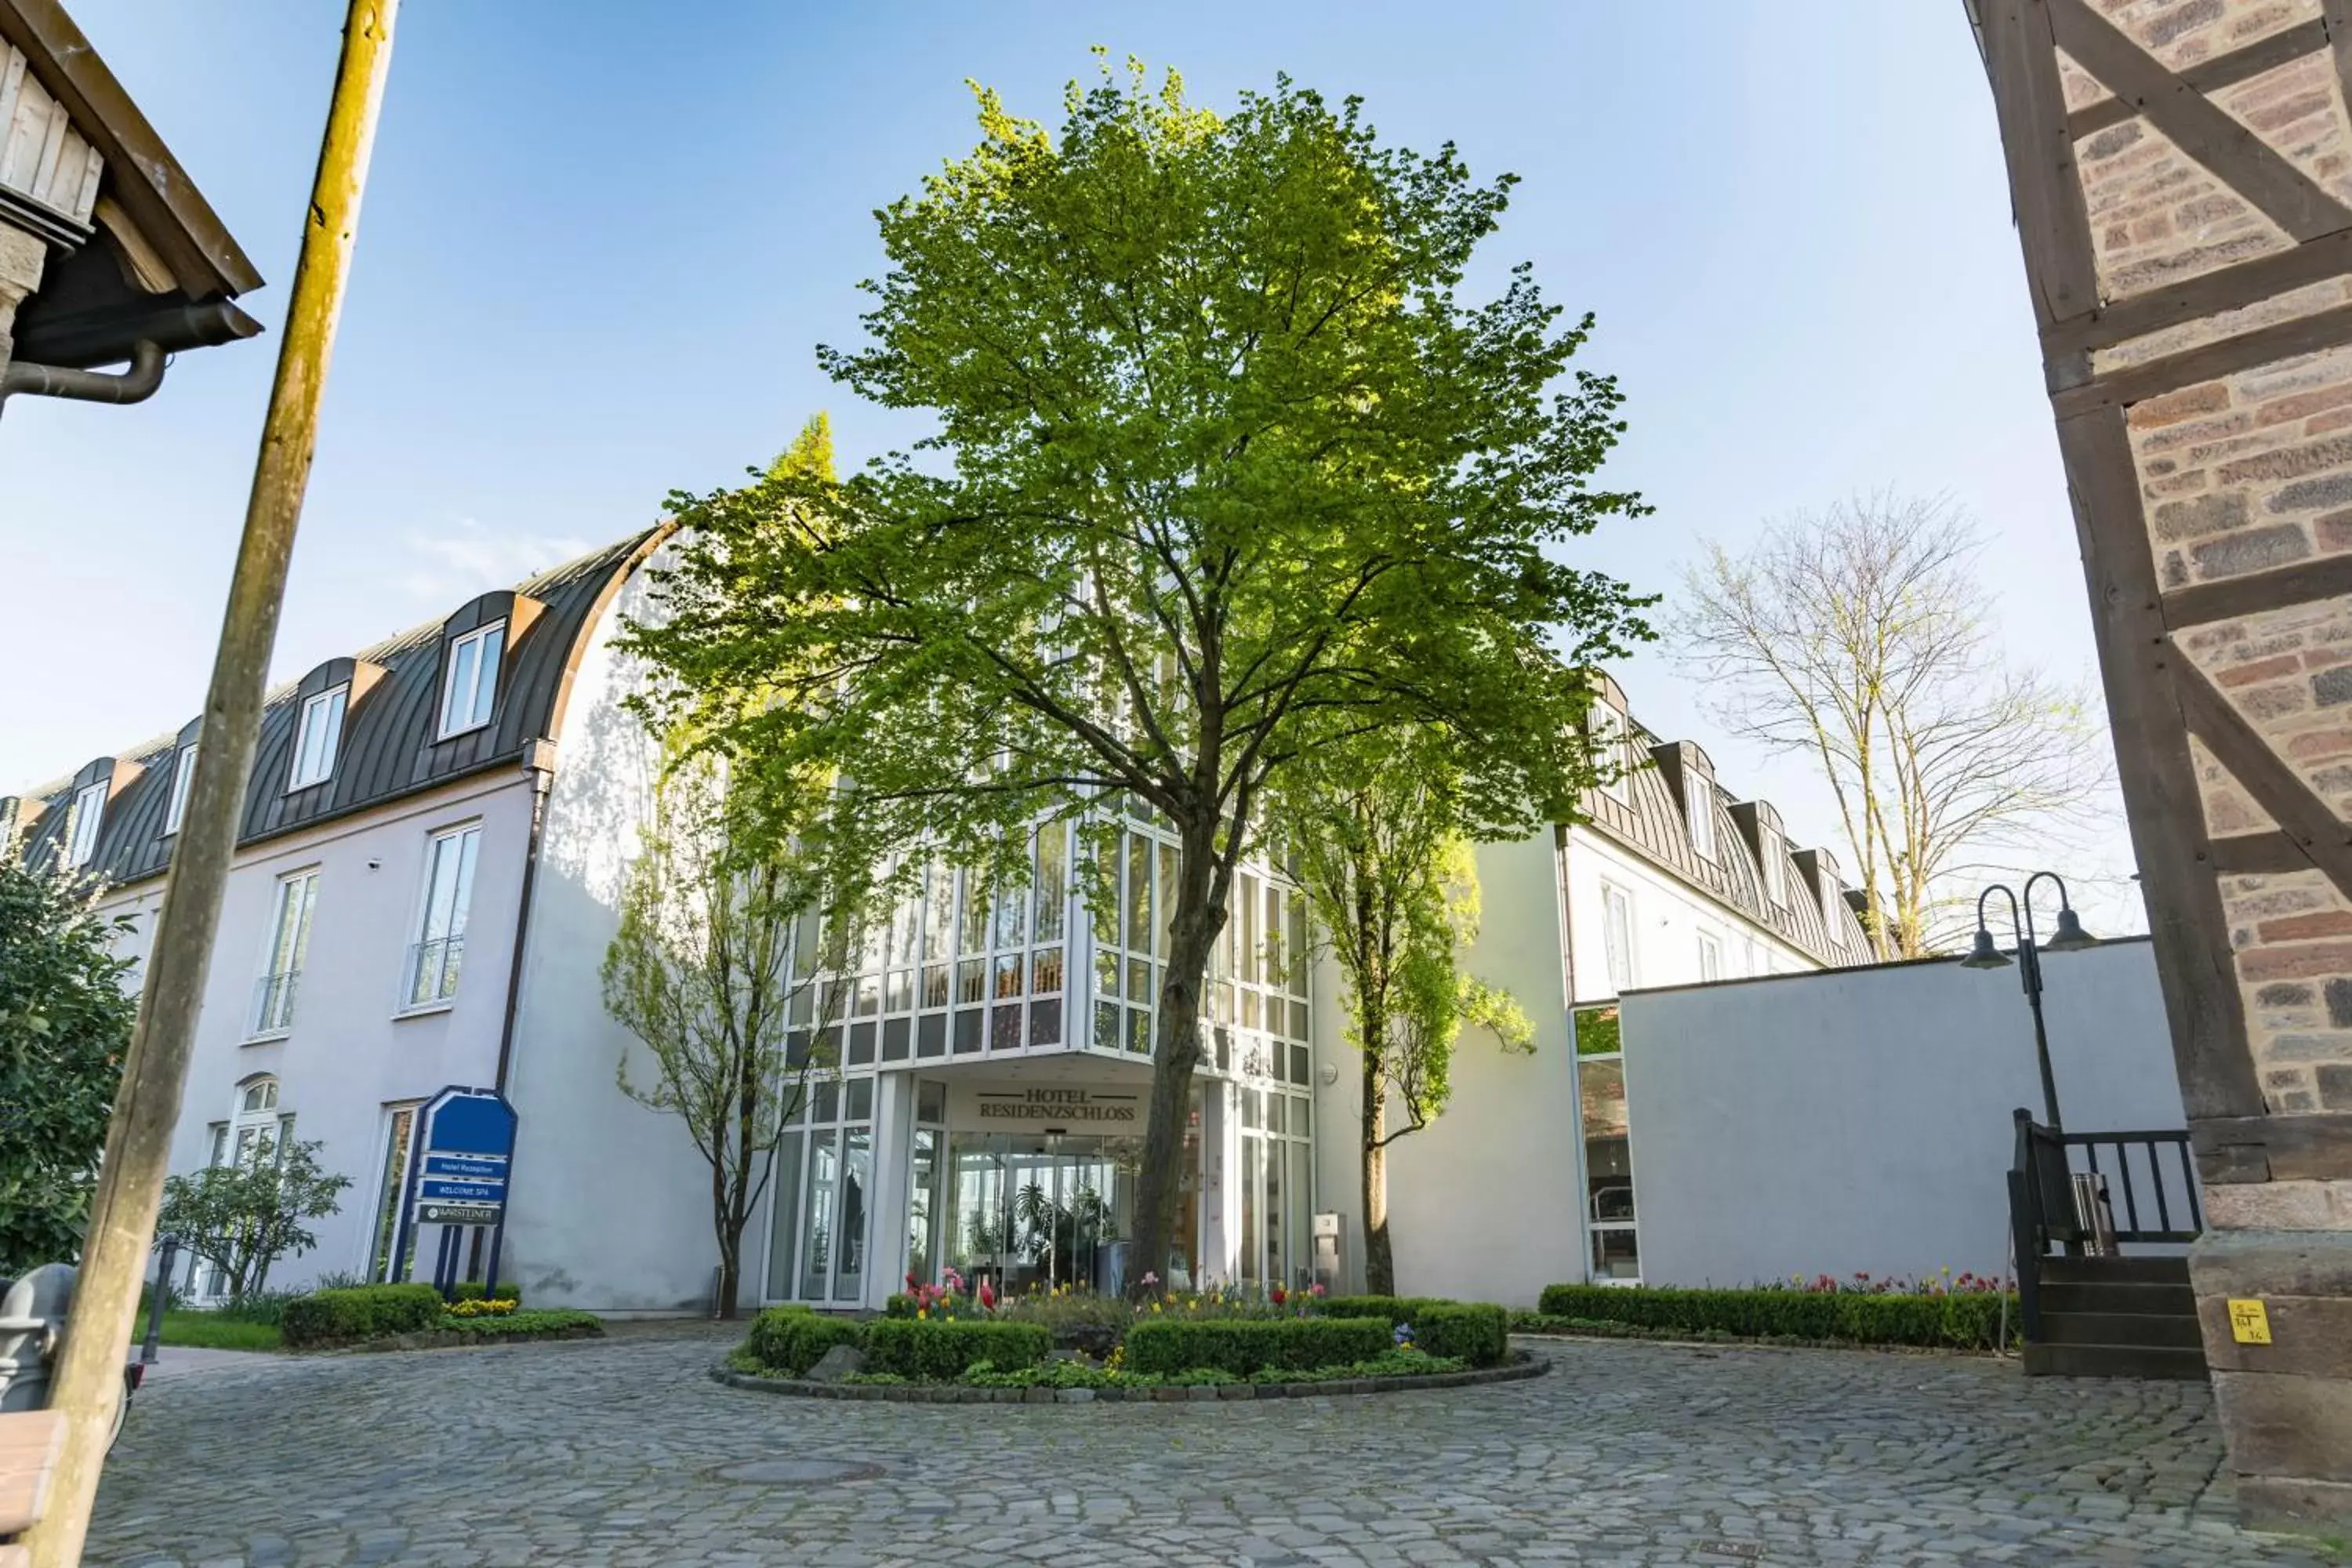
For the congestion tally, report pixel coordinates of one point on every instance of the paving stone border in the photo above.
(1520, 1367)
(448, 1339)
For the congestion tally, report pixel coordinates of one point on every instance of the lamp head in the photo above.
(1983, 954)
(2070, 937)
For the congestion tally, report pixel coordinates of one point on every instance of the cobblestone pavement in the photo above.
(611, 1453)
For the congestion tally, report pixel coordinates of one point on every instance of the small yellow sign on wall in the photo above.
(2249, 1324)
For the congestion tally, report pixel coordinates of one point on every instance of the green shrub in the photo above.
(1480, 1335)
(899, 1305)
(790, 1339)
(474, 1290)
(1245, 1345)
(1967, 1320)
(360, 1312)
(938, 1350)
(1390, 1309)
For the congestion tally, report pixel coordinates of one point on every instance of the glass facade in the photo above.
(1609, 1209)
(961, 975)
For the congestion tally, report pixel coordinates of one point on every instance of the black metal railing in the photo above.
(2095, 1193)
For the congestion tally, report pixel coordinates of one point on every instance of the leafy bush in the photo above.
(1480, 1335)
(243, 1216)
(482, 1306)
(543, 1321)
(366, 1311)
(474, 1290)
(935, 1350)
(267, 1307)
(1245, 1345)
(788, 1340)
(1966, 1320)
(1390, 1310)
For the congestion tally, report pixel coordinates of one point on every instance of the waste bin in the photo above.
(32, 1321)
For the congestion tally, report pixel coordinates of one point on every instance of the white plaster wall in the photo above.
(1860, 1118)
(611, 1208)
(1481, 1201)
(349, 1053)
(1668, 918)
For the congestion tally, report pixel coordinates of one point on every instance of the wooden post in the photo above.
(138, 1139)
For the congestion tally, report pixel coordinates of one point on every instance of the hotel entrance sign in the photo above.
(457, 1179)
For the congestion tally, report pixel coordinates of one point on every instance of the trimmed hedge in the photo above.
(1966, 1320)
(790, 1339)
(360, 1312)
(1479, 1334)
(941, 1350)
(1165, 1346)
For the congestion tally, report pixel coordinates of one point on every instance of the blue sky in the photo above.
(598, 251)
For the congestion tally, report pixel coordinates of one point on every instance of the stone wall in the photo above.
(2191, 253)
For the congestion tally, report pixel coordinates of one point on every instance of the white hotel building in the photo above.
(432, 851)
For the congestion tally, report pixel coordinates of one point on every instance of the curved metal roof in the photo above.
(389, 745)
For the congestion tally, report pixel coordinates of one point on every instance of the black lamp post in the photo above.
(2070, 936)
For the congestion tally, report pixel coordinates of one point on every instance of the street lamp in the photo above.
(2069, 937)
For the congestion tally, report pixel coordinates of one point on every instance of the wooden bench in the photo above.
(30, 1442)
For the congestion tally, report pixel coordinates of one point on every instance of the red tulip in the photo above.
(987, 1297)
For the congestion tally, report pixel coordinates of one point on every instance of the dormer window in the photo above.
(471, 689)
(183, 772)
(89, 811)
(1774, 856)
(1608, 730)
(317, 737)
(1702, 817)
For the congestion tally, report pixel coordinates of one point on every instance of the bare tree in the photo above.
(1863, 636)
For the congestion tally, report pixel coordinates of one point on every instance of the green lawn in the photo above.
(210, 1331)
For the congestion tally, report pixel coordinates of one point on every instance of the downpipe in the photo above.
(136, 384)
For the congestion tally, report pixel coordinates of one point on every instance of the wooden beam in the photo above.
(2277, 788)
(2283, 340)
(2166, 811)
(2052, 223)
(2207, 294)
(2303, 583)
(2260, 855)
(2273, 1148)
(2196, 124)
(2213, 75)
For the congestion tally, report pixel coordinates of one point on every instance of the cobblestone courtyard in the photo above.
(609, 1454)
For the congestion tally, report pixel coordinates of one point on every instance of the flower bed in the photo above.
(407, 1317)
(1962, 1316)
(1169, 1347)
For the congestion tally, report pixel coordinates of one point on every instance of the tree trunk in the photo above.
(1199, 919)
(730, 1273)
(1380, 1259)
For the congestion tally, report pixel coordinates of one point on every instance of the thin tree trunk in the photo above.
(730, 1273)
(1199, 920)
(1380, 1258)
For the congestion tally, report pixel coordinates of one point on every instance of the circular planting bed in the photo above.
(1520, 1365)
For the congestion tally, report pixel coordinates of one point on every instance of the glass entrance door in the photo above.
(1031, 1211)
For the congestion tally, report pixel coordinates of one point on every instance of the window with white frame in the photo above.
(281, 963)
(1617, 934)
(317, 737)
(1773, 855)
(439, 951)
(399, 1135)
(1711, 957)
(1607, 730)
(82, 831)
(470, 690)
(183, 772)
(258, 1134)
(1700, 795)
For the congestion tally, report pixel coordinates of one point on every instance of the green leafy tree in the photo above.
(1393, 881)
(703, 970)
(1225, 462)
(65, 1024)
(243, 1216)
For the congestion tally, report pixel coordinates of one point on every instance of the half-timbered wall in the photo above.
(2182, 175)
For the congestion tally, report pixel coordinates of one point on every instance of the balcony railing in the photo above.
(433, 972)
(273, 1002)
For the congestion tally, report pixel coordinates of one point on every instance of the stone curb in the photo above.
(448, 1340)
(1525, 1366)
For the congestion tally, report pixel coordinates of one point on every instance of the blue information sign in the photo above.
(464, 1158)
